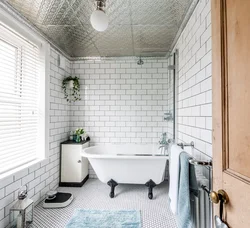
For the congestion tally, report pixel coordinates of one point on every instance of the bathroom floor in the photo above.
(95, 195)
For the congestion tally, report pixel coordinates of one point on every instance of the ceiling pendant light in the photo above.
(99, 20)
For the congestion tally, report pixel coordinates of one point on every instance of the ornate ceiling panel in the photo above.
(136, 27)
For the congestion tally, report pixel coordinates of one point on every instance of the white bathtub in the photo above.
(127, 163)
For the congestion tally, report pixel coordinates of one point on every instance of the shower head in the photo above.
(140, 62)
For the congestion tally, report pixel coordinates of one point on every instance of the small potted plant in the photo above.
(79, 132)
(71, 89)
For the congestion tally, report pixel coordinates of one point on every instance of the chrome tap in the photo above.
(163, 149)
(163, 140)
(163, 146)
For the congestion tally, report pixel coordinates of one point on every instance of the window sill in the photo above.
(21, 168)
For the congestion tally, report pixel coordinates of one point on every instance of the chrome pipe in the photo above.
(182, 145)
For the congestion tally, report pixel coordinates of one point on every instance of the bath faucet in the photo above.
(164, 143)
(163, 146)
(163, 140)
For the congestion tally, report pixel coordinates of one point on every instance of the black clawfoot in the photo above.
(112, 184)
(150, 184)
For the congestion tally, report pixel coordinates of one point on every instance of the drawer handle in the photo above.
(79, 161)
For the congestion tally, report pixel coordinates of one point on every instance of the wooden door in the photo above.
(231, 107)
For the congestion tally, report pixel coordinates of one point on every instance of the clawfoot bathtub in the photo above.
(127, 164)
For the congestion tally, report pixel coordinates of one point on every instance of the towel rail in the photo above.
(202, 163)
(201, 216)
(193, 161)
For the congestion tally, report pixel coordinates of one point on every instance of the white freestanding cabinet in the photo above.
(74, 168)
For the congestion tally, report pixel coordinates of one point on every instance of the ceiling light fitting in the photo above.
(99, 20)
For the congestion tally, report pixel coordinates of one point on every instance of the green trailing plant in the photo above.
(71, 94)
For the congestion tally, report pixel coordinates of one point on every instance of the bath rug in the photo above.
(84, 218)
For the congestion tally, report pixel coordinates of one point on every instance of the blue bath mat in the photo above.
(105, 219)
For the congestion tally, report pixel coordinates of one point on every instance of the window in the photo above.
(20, 100)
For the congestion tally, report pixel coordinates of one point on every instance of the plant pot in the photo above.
(78, 138)
(71, 84)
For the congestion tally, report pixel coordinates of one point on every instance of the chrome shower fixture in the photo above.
(140, 62)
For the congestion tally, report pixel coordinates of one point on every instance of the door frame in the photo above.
(219, 93)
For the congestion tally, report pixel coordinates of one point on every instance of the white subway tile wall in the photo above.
(194, 82)
(122, 102)
(42, 176)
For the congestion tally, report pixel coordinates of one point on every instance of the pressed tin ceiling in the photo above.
(136, 27)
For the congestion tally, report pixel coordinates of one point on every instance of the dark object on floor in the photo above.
(74, 184)
(61, 199)
(112, 184)
(150, 184)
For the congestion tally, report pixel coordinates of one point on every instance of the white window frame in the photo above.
(44, 86)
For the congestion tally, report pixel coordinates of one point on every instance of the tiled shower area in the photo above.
(122, 102)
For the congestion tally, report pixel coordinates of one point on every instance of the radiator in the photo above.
(201, 207)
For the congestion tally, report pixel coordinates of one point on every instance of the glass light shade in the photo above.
(21, 213)
(99, 20)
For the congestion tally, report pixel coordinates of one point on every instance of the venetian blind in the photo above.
(19, 80)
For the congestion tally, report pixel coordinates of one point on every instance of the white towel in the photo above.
(174, 177)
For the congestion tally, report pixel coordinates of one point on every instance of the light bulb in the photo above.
(99, 20)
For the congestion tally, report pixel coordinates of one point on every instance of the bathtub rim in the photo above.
(86, 154)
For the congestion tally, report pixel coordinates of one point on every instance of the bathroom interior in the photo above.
(112, 115)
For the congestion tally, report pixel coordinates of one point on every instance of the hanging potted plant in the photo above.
(71, 89)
